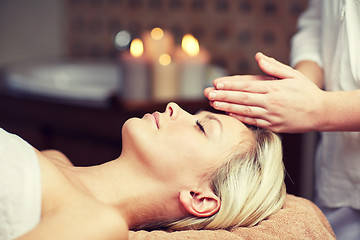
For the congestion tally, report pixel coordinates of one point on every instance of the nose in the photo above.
(173, 110)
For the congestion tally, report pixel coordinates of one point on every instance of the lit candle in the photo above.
(193, 62)
(165, 81)
(157, 42)
(136, 73)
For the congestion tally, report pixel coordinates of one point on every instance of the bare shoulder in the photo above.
(83, 220)
(96, 220)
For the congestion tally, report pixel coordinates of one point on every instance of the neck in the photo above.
(126, 186)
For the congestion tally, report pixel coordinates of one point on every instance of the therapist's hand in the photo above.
(286, 102)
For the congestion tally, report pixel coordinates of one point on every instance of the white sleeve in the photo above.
(306, 43)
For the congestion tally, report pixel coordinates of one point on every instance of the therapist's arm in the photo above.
(341, 111)
(312, 71)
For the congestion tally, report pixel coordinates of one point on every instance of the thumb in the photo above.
(273, 67)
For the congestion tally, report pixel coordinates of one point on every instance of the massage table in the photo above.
(297, 219)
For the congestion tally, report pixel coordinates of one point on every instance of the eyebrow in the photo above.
(212, 117)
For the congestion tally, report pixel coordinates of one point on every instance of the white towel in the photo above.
(20, 187)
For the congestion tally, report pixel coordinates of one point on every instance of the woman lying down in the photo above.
(176, 171)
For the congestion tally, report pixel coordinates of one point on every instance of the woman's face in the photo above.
(178, 146)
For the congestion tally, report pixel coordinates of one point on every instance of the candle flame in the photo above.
(136, 47)
(164, 59)
(157, 33)
(190, 45)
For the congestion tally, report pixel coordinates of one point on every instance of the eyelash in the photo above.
(200, 125)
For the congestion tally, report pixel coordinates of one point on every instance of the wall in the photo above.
(232, 30)
(31, 29)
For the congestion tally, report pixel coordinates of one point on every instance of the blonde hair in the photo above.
(251, 186)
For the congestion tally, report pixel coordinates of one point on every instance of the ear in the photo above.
(200, 203)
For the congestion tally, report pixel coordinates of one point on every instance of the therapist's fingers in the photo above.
(243, 110)
(244, 86)
(244, 78)
(208, 90)
(259, 122)
(274, 68)
(219, 83)
(238, 97)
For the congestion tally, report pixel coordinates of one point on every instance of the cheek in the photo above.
(181, 154)
(183, 143)
(177, 148)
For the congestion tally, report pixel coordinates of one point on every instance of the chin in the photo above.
(130, 129)
(136, 137)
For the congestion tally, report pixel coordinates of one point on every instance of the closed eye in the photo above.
(201, 126)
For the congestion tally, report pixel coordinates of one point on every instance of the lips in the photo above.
(156, 116)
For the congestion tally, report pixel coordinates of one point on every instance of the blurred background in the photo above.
(65, 67)
(232, 30)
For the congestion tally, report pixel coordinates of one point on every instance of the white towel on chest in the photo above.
(20, 187)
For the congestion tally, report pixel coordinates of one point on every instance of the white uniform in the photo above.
(20, 187)
(329, 34)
